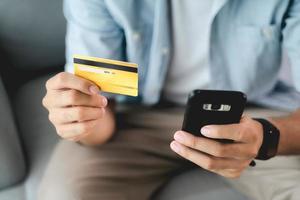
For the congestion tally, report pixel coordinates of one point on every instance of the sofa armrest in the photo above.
(12, 162)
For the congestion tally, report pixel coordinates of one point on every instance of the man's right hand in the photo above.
(77, 110)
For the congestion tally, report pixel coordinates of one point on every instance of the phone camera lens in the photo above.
(216, 106)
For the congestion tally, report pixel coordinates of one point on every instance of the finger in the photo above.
(65, 80)
(78, 137)
(214, 148)
(75, 114)
(206, 161)
(229, 131)
(76, 129)
(66, 98)
(231, 173)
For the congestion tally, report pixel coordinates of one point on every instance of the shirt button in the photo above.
(165, 51)
(136, 36)
(267, 32)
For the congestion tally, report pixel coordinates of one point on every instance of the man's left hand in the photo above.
(226, 159)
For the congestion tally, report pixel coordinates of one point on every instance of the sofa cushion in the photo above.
(12, 165)
(37, 133)
(32, 33)
(13, 193)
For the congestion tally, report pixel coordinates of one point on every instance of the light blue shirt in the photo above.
(246, 42)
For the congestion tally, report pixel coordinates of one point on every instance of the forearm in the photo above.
(104, 129)
(289, 127)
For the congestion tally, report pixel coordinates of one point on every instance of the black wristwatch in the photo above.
(270, 142)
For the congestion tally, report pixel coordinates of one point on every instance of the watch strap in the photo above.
(270, 142)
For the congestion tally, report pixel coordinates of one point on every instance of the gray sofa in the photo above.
(31, 50)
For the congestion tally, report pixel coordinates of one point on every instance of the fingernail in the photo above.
(179, 136)
(205, 131)
(93, 89)
(104, 101)
(175, 146)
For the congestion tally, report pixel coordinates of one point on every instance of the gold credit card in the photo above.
(110, 75)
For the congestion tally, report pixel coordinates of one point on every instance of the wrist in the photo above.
(103, 131)
(259, 131)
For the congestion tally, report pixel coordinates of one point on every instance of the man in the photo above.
(180, 46)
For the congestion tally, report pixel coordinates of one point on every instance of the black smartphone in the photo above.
(205, 107)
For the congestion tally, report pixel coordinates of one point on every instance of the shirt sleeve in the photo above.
(291, 40)
(92, 31)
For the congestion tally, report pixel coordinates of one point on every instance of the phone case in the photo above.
(207, 107)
